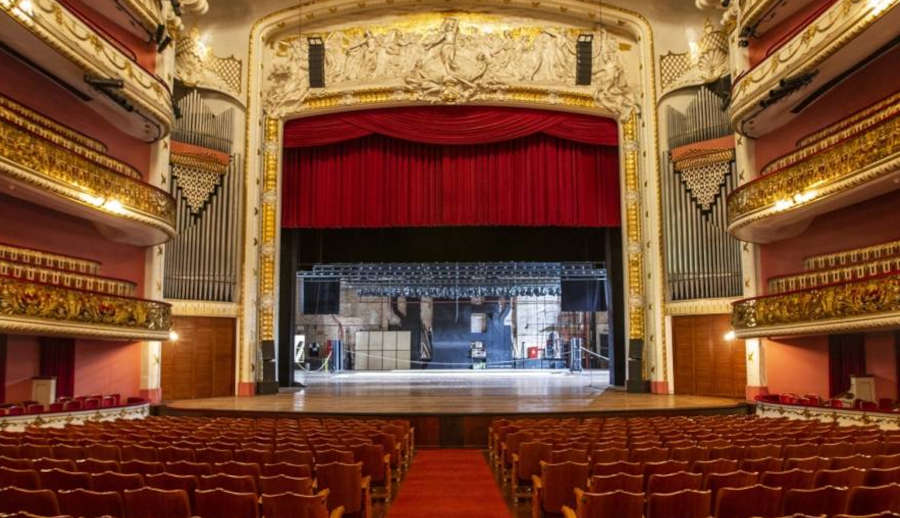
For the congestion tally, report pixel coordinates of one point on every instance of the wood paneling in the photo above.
(201, 363)
(705, 363)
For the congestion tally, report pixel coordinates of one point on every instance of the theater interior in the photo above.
(433, 258)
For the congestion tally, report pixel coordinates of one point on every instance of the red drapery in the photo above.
(445, 166)
(57, 358)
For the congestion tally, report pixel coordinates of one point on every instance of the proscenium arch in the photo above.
(639, 173)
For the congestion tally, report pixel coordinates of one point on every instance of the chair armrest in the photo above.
(515, 457)
(568, 512)
(338, 512)
(387, 458)
(366, 481)
(536, 482)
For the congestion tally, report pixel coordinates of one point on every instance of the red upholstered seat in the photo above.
(673, 482)
(284, 484)
(184, 467)
(611, 468)
(148, 502)
(90, 504)
(617, 482)
(748, 502)
(119, 482)
(556, 484)
(57, 479)
(873, 500)
(41, 501)
(847, 477)
(96, 465)
(237, 484)
(717, 481)
(219, 503)
(682, 504)
(21, 478)
(827, 500)
(142, 467)
(621, 504)
(787, 480)
(347, 486)
(287, 505)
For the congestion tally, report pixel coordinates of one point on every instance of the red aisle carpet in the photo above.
(451, 484)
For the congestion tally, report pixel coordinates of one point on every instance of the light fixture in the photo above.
(96, 201)
(114, 206)
(730, 336)
(173, 336)
(878, 6)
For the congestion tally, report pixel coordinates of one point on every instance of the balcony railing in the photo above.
(868, 304)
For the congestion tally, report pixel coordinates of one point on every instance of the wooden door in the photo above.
(706, 364)
(201, 362)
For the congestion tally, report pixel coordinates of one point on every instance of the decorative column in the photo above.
(745, 161)
(154, 263)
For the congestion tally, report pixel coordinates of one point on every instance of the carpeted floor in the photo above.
(451, 484)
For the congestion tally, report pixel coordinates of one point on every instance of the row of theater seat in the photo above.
(886, 405)
(75, 404)
(160, 503)
(341, 454)
(567, 463)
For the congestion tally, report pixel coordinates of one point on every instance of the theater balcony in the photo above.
(849, 291)
(853, 160)
(54, 166)
(49, 294)
(805, 54)
(83, 57)
(141, 17)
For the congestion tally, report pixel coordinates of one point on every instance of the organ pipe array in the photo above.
(702, 259)
(203, 261)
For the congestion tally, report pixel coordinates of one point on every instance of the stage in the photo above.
(453, 408)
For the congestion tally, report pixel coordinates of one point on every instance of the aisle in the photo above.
(451, 484)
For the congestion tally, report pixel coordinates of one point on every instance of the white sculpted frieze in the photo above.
(451, 61)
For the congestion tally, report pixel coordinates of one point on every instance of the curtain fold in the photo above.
(450, 125)
(57, 358)
(377, 181)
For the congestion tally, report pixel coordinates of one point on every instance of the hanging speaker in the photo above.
(316, 63)
(584, 59)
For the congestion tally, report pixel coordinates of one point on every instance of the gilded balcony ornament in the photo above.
(866, 304)
(31, 307)
(40, 157)
(861, 153)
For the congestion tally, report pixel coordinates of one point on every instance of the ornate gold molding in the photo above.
(843, 417)
(860, 154)
(825, 36)
(47, 161)
(58, 420)
(203, 308)
(814, 279)
(634, 248)
(77, 281)
(700, 307)
(269, 230)
(34, 308)
(64, 32)
(856, 255)
(48, 259)
(872, 303)
(751, 11)
(149, 12)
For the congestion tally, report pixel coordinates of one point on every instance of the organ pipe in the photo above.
(702, 259)
(201, 260)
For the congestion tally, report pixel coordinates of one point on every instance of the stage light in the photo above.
(173, 336)
(730, 336)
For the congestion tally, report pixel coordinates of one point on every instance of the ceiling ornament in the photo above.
(197, 66)
(445, 58)
(705, 62)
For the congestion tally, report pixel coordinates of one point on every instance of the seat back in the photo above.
(747, 502)
(828, 500)
(617, 482)
(858, 460)
(372, 458)
(241, 469)
(705, 467)
(672, 482)
(344, 482)
(150, 502)
(620, 504)
(882, 476)
(873, 500)
(36, 501)
(333, 455)
(21, 478)
(57, 479)
(96, 465)
(289, 505)
(90, 504)
(568, 455)
(847, 477)
(102, 451)
(283, 484)
(293, 470)
(688, 503)
(651, 454)
(119, 482)
(606, 455)
(233, 483)
(763, 464)
(621, 466)
(220, 503)
(787, 480)
(559, 482)
(184, 467)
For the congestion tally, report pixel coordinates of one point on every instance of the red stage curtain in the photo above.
(57, 358)
(449, 167)
(450, 125)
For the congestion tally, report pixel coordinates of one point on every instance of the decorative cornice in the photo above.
(825, 36)
(46, 161)
(35, 308)
(700, 307)
(72, 280)
(869, 304)
(814, 279)
(196, 157)
(149, 12)
(752, 11)
(203, 308)
(52, 23)
(865, 152)
(60, 419)
(856, 255)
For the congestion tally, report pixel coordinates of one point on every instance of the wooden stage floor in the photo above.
(454, 408)
(456, 393)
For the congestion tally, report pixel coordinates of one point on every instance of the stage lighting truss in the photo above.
(455, 280)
